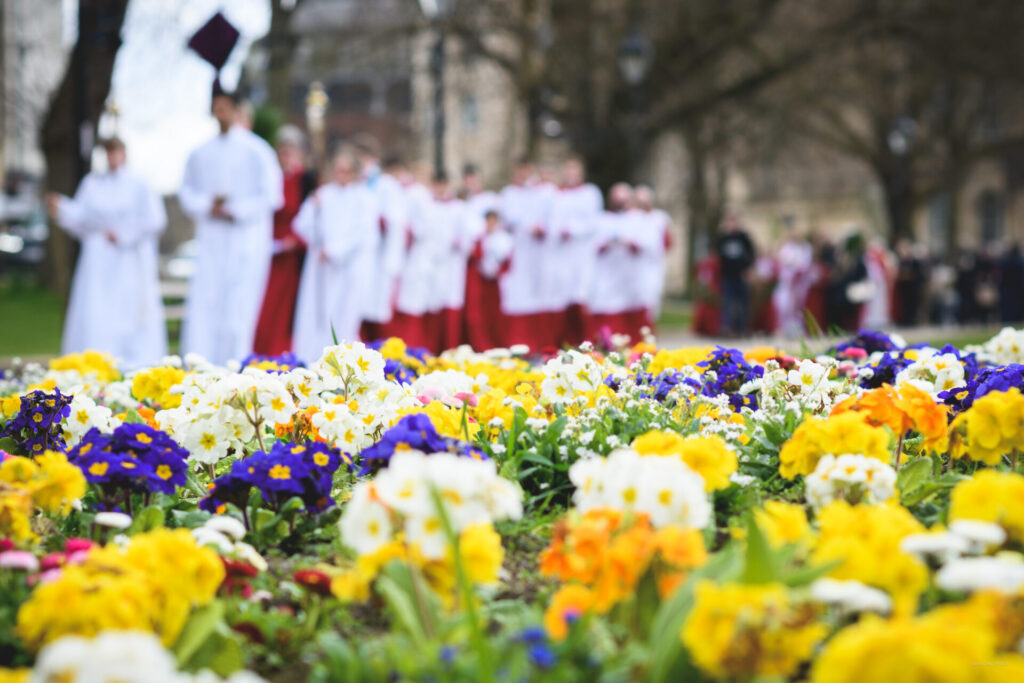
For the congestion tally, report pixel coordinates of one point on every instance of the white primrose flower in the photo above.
(85, 415)
(850, 596)
(1001, 573)
(665, 489)
(851, 477)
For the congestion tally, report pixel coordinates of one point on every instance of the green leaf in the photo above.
(220, 653)
(394, 585)
(201, 624)
(669, 661)
(913, 475)
(759, 566)
(148, 519)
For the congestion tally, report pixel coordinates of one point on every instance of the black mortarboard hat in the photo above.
(214, 43)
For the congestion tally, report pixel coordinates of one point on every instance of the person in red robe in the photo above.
(274, 329)
(486, 325)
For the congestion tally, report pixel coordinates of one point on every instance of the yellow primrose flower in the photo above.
(739, 631)
(708, 456)
(783, 523)
(865, 540)
(154, 384)
(100, 365)
(679, 358)
(927, 649)
(844, 433)
(995, 426)
(991, 496)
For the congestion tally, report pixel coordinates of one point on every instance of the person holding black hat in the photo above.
(115, 304)
(231, 193)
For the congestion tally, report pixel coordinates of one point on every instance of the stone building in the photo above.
(32, 59)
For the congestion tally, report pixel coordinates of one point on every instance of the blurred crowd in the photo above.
(289, 259)
(850, 282)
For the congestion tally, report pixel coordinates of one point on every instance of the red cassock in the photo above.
(706, 313)
(486, 326)
(274, 329)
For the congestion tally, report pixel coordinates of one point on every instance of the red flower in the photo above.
(313, 580)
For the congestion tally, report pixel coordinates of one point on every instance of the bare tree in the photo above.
(70, 124)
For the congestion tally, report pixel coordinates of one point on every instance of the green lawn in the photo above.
(30, 321)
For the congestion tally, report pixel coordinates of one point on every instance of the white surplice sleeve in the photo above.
(267, 194)
(74, 215)
(195, 200)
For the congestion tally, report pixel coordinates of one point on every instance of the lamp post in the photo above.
(317, 102)
(436, 12)
(635, 56)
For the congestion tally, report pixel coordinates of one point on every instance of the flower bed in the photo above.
(635, 514)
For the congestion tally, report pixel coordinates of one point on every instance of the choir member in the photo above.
(525, 206)
(115, 302)
(575, 210)
(414, 321)
(657, 240)
(274, 329)
(479, 200)
(488, 262)
(340, 224)
(231, 192)
(794, 265)
(449, 231)
(614, 301)
(393, 224)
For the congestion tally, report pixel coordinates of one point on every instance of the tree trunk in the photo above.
(697, 201)
(897, 187)
(280, 52)
(70, 124)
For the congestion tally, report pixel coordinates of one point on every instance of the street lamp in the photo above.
(436, 12)
(317, 102)
(635, 56)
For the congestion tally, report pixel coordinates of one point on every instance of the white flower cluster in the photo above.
(963, 537)
(354, 398)
(850, 597)
(469, 490)
(933, 372)
(1004, 573)
(219, 412)
(663, 488)
(1004, 348)
(443, 385)
(85, 415)
(806, 388)
(124, 656)
(225, 534)
(851, 477)
(569, 374)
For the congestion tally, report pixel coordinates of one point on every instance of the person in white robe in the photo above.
(393, 226)
(340, 225)
(655, 239)
(230, 190)
(575, 211)
(525, 208)
(614, 291)
(450, 234)
(794, 267)
(416, 297)
(479, 200)
(115, 303)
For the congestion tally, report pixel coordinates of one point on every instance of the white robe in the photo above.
(575, 212)
(613, 288)
(388, 259)
(415, 288)
(341, 222)
(795, 261)
(477, 207)
(525, 208)
(115, 304)
(232, 257)
(652, 233)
